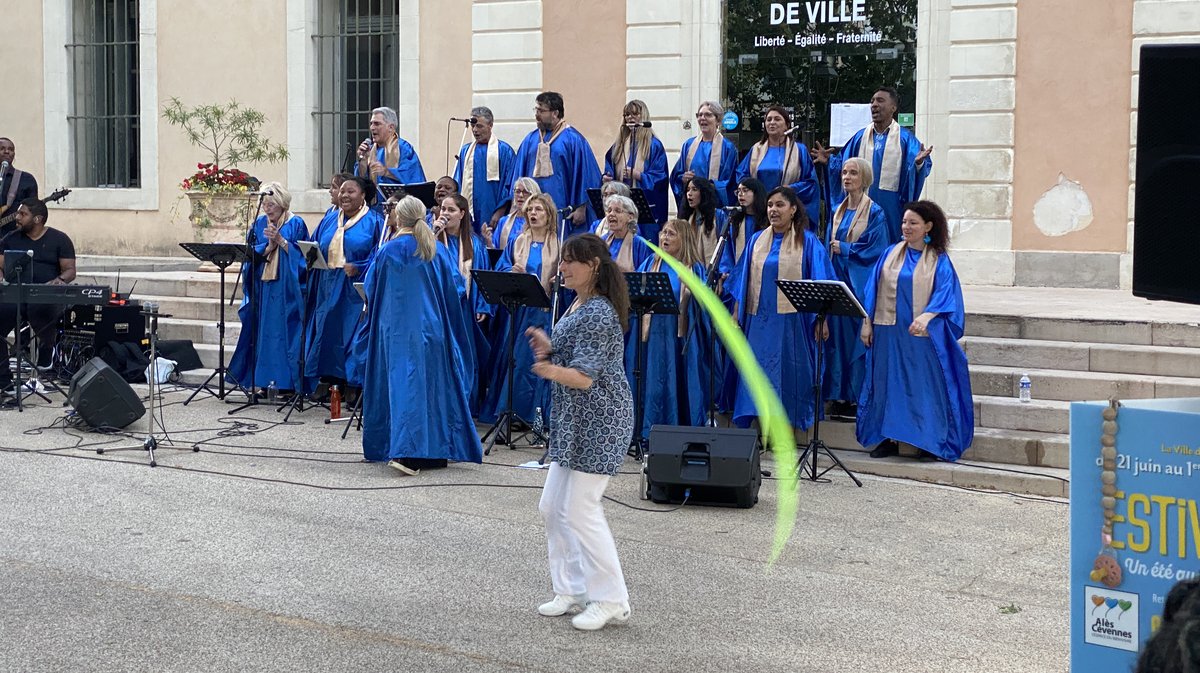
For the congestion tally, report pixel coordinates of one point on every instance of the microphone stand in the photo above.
(711, 278)
(556, 288)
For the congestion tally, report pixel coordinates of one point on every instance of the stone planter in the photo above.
(221, 218)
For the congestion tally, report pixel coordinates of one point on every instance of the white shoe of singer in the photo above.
(562, 605)
(599, 613)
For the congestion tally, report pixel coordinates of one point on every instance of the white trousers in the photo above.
(583, 554)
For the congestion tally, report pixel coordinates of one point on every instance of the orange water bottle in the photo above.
(335, 403)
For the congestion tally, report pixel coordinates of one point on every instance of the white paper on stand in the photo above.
(846, 119)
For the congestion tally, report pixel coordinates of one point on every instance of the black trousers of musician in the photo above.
(43, 319)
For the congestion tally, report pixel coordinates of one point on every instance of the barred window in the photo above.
(356, 50)
(103, 114)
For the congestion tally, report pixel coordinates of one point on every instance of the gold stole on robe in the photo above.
(889, 168)
(543, 167)
(791, 267)
(889, 278)
(862, 217)
(791, 160)
(493, 168)
(521, 248)
(624, 258)
(271, 268)
(391, 159)
(714, 156)
(464, 264)
(336, 258)
(620, 159)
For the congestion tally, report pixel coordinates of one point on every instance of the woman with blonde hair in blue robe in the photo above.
(783, 339)
(414, 347)
(916, 389)
(348, 242)
(638, 159)
(510, 226)
(273, 303)
(536, 252)
(709, 154)
(675, 347)
(859, 235)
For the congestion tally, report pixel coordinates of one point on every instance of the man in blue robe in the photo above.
(484, 168)
(900, 161)
(559, 158)
(385, 158)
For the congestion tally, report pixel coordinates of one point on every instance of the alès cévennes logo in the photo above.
(1112, 618)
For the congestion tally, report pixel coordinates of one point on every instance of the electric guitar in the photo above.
(6, 217)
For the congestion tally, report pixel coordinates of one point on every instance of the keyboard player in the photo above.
(50, 260)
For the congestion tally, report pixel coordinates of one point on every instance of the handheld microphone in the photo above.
(3, 167)
(644, 125)
(469, 121)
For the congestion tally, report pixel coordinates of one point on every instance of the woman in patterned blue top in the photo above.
(590, 431)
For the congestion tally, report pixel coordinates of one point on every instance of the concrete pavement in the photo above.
(214, 562)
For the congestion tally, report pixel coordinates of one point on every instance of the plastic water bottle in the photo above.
(538, 426)
(1026, 394)
(272, 393)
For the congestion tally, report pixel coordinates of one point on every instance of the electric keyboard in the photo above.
(56, 294)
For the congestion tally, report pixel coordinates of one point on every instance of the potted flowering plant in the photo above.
(229, 133)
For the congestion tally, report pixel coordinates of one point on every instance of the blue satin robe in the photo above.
(783, 343)
(912, 179)
(280, 307)
(334, 305)
(517, 228)
(653, 182)
(917, 389)
(530, 392)
(676, 379)
(726, 181)
(846, 357)
(770, 172)
(474, 304)
(486, 196)
(415, 392)
(407, 172)
(575, 168)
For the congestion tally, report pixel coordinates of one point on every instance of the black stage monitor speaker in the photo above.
(719, 465)
(1166, 233)
(102, 398)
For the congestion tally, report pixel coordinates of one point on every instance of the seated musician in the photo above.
(52, 263)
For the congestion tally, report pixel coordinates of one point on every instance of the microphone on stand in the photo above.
(733, 210)
(644, 125)
(792, 130)
(564, 213)
(468, 121)
(3, 167)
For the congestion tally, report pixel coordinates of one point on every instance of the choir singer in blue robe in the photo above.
(709, 154)
(483, 168)
(559, 158)
(273, 304)
(467, 251)
(859, 237)
(899, 161)
(619, 231)
(510, 225)
(778, 160)
(702, 209)
(414, 347)
(535, 251)
(675, 347)
(916, 388)
(385, 158)
(638, 159)
(347, 239)
(783, 340)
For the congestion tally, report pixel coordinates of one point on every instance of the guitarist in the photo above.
(52, 262)
(15, 185)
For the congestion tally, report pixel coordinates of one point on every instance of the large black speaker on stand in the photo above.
(102, 398)
(719, 465)
(1166, 230)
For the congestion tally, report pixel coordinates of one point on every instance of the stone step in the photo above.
(193, 308)
(100, 263)
(1082, 356)
(1054, 384)
(1038, 481)
(198, 331)
(991, 445)
(166, 284)
(1009, 413)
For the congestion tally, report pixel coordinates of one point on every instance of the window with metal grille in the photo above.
(356, 55)
(103, 115)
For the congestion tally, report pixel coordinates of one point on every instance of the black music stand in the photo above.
(512, 291)
(355, 416)
(421, 190)
(20, 262)
(313, 259)
(221, 255)
(824, 298)
(650, 293)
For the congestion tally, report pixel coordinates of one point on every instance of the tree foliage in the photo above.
(229, 132)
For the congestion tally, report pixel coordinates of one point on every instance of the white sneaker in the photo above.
(599, 613)
(562, 605)
(404, 469)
